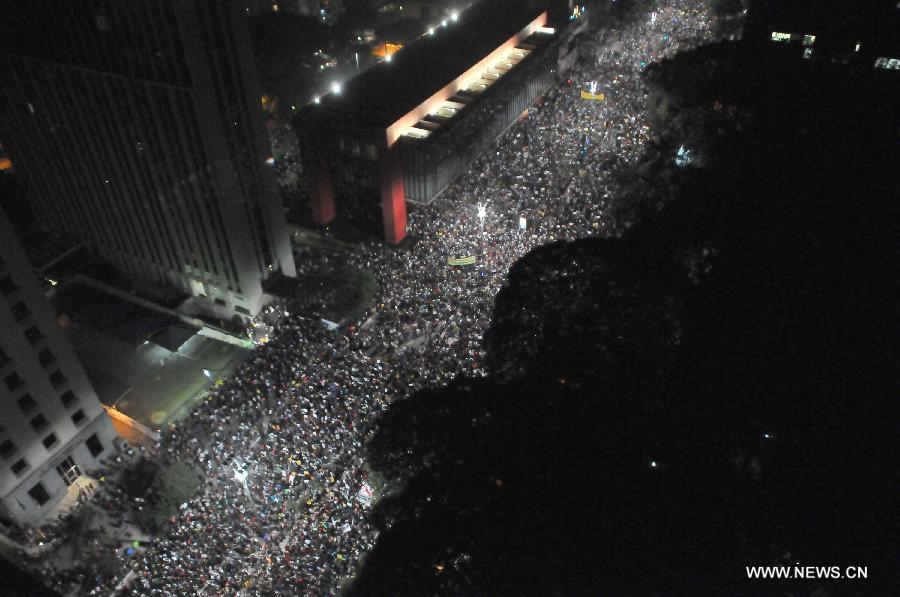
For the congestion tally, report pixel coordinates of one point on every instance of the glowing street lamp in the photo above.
(336, 87)
(240, 473)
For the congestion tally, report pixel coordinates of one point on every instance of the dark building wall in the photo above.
(136, 126)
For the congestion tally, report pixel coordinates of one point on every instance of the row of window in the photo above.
(45, 358)
(67, 470)
(14, 381)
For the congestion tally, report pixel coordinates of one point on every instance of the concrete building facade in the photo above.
(137, 126)
(52, 427)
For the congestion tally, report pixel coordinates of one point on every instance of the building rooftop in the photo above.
(387, 91)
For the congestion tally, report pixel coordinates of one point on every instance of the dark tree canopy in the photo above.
(713, 391)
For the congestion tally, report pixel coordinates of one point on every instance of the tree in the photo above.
(177, 483)
(712, 392)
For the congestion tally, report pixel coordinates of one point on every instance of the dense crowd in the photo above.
(283, 510)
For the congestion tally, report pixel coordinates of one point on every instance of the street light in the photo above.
(240, 472)
(336, 87)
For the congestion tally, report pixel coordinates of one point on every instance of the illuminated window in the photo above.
(809, 40)
(781, 37)
(807, 52)
(274, 8)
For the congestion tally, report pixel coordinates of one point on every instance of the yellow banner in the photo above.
(461, 260)
(592, 96)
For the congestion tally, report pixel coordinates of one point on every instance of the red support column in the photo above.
(321, 195)
(393, 196)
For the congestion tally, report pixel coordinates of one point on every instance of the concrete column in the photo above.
(321, 195)
(393, 195)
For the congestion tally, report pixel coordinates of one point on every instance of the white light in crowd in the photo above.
(454, 16)
(336, 87)
(444, 23)
(431, 31)
(766, 435)
(388, 58)
(482, 212)
(240, 475)
(270, 161)
(653, 463)
(316, 100)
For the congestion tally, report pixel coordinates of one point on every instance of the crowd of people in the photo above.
(280, 443)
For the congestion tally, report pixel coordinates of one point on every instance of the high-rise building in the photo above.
(52, 427)
(137, 127)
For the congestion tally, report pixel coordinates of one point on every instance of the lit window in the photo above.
(781, 37)
(809, 40)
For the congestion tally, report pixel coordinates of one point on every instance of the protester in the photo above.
(283, 510)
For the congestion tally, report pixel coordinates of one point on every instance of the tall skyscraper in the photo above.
(52, 427)
(137, 127)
